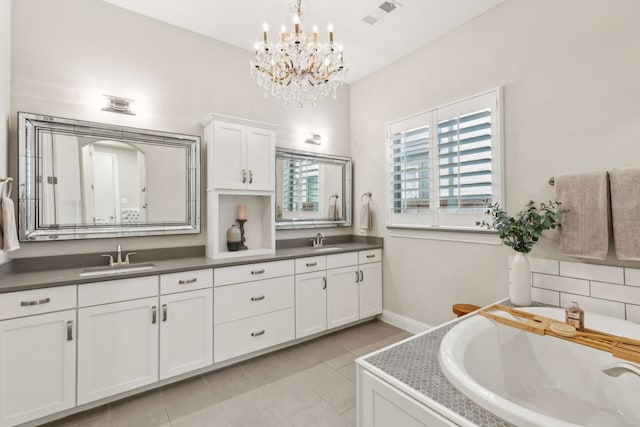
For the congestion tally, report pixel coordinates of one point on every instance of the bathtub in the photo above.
(532, 380)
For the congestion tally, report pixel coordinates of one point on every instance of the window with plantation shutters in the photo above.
(301, 185)
(444, 164)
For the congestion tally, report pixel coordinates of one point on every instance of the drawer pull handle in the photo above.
(257, 271)
(244, 176)
(250, 176)
(164, 312)
(357, 277)
(260, 298)
(371, 256)
(312, 264)
(35, 302)
(154, 314)
(188, 281)
(324, 283)
(70, 330)
(257, 334)
(361, 276)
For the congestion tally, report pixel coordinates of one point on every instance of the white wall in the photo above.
(68, 52)
(571, 103)
(5, 78)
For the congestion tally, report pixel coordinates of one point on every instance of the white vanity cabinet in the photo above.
(240, 154)
(117, 336)
(37, 353)
(335, 290)
(186, 322)
(253, 308)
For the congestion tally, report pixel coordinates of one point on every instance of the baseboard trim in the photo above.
(403, 322)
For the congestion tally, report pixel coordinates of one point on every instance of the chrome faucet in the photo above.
(617, 369)
(318, 241)
(119, 260)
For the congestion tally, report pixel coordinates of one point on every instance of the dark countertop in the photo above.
(18, 281)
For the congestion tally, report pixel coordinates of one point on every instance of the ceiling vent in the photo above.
(387, 6)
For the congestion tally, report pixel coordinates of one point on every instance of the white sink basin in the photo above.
(327, 249)
(532, 380)
(96, 271)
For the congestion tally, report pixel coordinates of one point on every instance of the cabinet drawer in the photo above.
(251, 272)
(117, 290)
(254, 333)
(186, 281)
(342, 260)
(36, 301)
(311, 264)
(373, 255)
(253, 298)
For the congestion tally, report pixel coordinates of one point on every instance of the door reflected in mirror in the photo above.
(312, 190)
(82, 179)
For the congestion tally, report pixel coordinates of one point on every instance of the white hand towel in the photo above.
(625, 212)
(365, 214)
(584, 199)
(9, 230)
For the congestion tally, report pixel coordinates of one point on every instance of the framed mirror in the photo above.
(312, 190)
(80, 180)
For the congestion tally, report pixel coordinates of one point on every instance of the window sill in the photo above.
(448, 234)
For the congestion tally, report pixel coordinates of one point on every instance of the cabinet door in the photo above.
(229, 143)
(37, 366)
(186, 332)
(311, 303)
(261, 149)
(117, 348)
(370, 289)
(342, 296)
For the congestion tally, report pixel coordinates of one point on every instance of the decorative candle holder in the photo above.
(242, 238)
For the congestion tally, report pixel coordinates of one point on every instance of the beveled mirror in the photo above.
(80, 180)
(312, 190)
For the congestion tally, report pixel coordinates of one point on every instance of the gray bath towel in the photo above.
(8, 218)
(584, 199)
(625, 212)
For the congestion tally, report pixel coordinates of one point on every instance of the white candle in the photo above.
(242, 212)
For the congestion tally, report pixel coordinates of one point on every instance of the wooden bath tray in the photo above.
(620, 347)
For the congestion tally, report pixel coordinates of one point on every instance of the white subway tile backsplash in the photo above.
(601, 273)
(628, 294)
(561, 284)
(632, 276)
(595, 305)
(633, 313)
(546, 266)
(545, 296)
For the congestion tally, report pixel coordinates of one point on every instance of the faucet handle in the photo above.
(126, 258)
(110, 259)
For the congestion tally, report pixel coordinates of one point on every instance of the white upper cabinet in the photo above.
(240, 154)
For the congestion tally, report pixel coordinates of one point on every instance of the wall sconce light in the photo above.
(115, 104)
(314, 139)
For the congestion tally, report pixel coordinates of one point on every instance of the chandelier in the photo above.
(297, 68)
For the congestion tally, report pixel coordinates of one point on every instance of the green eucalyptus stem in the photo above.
(522, 231)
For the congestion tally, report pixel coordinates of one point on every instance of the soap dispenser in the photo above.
(574, 316)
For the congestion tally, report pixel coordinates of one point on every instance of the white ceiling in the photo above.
(366, 47)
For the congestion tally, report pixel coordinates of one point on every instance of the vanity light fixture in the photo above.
(296, 67)
(116, 104)
(314, 139)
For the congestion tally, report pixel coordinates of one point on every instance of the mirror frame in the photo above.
(29, 127)
(347, 183)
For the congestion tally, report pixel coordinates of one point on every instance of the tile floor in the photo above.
(308, 385)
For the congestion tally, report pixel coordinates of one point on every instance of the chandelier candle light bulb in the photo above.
(298, 69)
